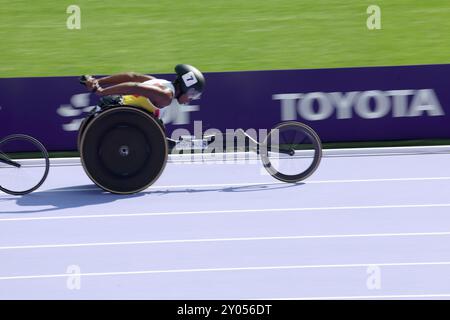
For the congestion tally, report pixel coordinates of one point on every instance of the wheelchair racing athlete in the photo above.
(148, 92)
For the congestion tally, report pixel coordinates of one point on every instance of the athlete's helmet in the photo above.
(190, 80)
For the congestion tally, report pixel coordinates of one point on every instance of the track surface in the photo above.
(363, 226)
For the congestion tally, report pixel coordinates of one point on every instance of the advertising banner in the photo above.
(342, 105)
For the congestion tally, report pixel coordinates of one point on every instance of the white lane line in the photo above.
(380, 180)
(232, 269)
(148, 242)
(251, 184)
(347, 152)
(259, 211)
(432, 295)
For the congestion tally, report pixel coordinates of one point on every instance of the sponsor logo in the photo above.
(372, 104)
(80, 106)
(76, 111)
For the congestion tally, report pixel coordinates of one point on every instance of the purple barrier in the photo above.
(350, 104)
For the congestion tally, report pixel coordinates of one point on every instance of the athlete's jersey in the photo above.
(145, 103)
(170, 112)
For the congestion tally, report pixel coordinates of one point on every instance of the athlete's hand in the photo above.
(99, 90)
(92, 84)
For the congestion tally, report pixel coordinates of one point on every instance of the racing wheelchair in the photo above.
(124, 149)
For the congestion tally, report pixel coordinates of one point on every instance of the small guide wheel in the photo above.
(291, 151)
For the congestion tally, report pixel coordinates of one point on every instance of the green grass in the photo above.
(218, 35)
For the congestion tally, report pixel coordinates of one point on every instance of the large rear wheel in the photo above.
(123, 150)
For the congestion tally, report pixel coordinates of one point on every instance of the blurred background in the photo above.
(232, 35)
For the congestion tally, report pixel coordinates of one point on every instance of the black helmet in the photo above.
(190, 80)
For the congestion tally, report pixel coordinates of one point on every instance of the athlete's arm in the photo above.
(157, 95)
(123, 77)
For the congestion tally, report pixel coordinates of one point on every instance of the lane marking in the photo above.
(380, 180)
(148, 242)
(432, 295)
(259, 211)
(247, 155)
(255, 160)
(200, 270)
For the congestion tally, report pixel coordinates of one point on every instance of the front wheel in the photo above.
(24, 164)
(291, 151)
